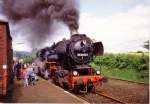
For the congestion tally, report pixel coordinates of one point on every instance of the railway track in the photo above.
(114, 97)
(110, 97)
(99, 97)
(104, 98)
(142, 83)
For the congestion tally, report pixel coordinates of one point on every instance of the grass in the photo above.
(127, 74)
(124, 74)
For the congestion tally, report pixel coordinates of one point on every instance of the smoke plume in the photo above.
(39, 15)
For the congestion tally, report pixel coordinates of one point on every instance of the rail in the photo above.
(109, 97)
(127, 80)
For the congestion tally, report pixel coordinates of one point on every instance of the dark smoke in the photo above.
(39, 15)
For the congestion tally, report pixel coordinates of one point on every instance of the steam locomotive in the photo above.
(67, 63)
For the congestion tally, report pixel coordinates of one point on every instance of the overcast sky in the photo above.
(122, 25)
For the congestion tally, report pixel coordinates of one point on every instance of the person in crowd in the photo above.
(31, 75)
(14, 71)
(24, 74)
(36, 71)
(46, 74)
(18, 70)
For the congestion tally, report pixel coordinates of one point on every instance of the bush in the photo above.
(139, 62)
(123, 61)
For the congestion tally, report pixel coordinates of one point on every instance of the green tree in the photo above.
(146, 45)
(27, 59)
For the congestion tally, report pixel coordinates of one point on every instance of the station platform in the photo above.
(43, 92)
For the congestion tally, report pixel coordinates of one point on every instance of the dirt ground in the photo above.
(126, 91)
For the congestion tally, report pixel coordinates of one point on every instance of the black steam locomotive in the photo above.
(67, 62)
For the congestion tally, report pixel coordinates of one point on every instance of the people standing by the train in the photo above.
(14, 71)
(36, 71)
(31, 75)
(46, 74)
(24, 74)
(18, 70)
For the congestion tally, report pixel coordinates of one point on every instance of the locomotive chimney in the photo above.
(73, 32)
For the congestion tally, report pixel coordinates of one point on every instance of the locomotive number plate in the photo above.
(82, 54)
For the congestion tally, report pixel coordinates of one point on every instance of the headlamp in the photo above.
(98, 72)
(4, 66)
(75, 73)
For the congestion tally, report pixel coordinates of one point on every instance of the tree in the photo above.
(27, 59)
(146, 44)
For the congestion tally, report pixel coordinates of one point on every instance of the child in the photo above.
(31, 76)
(25, 75)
